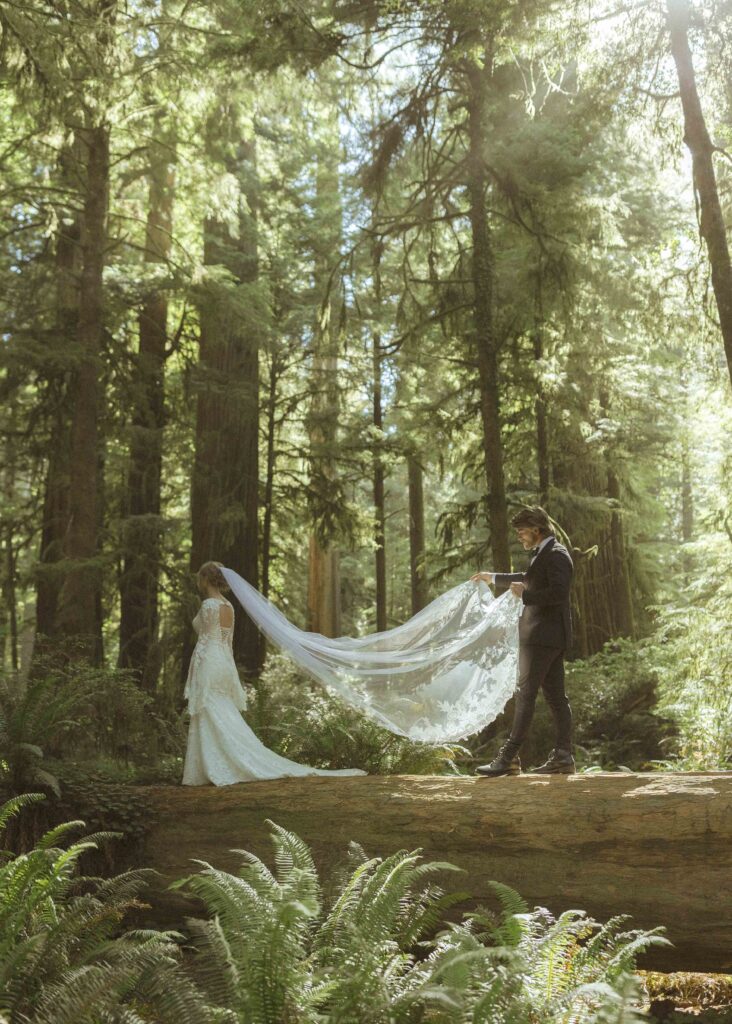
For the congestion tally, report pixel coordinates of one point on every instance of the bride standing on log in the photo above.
(439, 677)
(222, 749)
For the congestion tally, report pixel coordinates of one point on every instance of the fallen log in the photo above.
(656, 846)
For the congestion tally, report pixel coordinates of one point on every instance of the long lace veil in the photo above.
(441, 676)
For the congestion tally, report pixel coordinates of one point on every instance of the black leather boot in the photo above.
(559, 762)
(505, 763)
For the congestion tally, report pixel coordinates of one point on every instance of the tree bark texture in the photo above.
(484, 321)
(225, 485)
(324, 582)
(55, 516)
(696, 137)
(542, 430)
(79, 600)
(139, 647)
(655, 846)
(269, 476)
(417, 566)
(379, 475)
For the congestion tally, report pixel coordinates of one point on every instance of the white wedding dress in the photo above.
(222, 749)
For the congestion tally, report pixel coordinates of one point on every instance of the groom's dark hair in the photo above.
(535, 518)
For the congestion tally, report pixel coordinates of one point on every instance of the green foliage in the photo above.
(614, 697)
(298, 719)
(693, 654)
(62, 959)
(33, 716)
(94, 712)
(106, 804)
(357, 149)
(75, 709)
(279, 948)
(276, 950)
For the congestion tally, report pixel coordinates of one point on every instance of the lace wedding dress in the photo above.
(222, 749)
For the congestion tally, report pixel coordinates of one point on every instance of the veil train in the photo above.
(441, 676)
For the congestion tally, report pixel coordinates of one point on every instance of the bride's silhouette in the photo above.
(222, 749)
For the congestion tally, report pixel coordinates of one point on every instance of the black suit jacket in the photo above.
(546, 619)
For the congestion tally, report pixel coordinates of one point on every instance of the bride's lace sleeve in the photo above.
(226, 625)
(210, 624)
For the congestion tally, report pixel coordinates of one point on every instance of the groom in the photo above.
(545, 632)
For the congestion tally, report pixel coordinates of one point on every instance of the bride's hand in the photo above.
(484, 577)
(517, 589)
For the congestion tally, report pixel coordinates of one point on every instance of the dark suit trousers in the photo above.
(541, 668)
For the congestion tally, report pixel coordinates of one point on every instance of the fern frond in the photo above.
(15, 805)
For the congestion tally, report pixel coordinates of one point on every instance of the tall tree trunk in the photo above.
(324, 578)
(687, 507)
(378, 420)
(225, 485)
(621, 594)
(271, 458)
(79, 600)
(696, 137)
(8, 540)
(138, 631)
(542, 433)
(55, 516)
(619, 598)
(417, 567)
(484, 322)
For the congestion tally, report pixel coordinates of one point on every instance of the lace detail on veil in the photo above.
(441, 676)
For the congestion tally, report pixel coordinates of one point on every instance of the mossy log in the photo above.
(655, 846)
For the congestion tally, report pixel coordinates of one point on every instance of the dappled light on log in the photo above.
(657, 847)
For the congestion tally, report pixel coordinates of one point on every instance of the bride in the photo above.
(437, 678)
(222, 749)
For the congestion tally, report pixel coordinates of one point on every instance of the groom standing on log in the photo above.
(545, 633)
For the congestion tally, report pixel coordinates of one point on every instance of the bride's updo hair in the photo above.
(210, 572)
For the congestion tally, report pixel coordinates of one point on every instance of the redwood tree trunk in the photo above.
(417, 567)
(79, 600)
(225, 485)
(324, 581)
(619, 598)
(139, 647)
(542, 432)
(55, 516)
(324, 578)
(696, 137)
(484, 322)
(10, 625)
(379, 485)
(622, 597)
(269, 471)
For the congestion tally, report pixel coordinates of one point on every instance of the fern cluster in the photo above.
(280, 948)
(275, 950)
(62, 957)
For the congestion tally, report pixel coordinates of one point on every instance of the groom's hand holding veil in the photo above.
(517, 589)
